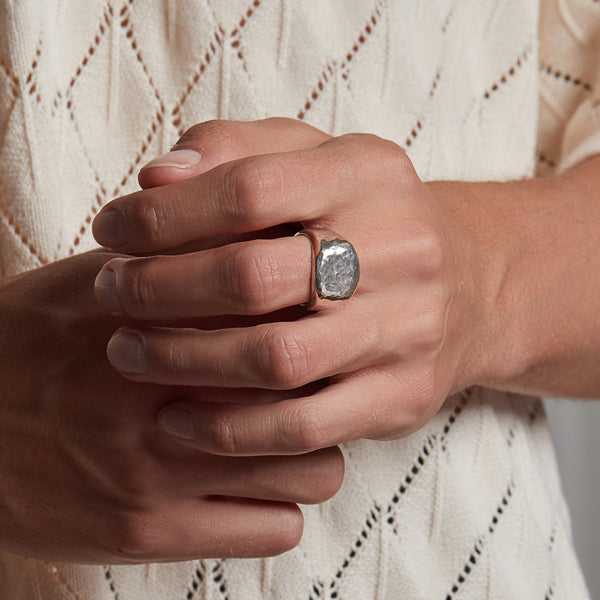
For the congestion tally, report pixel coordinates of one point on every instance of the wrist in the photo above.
(492, 350)
(531, 257)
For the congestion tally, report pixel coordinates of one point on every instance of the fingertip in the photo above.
(337, 472)
(105, 286)
(109, 228)
(291, 528)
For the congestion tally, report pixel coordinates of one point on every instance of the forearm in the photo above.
(534, 249)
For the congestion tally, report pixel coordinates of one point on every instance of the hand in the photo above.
(85, 475)
(392, 353)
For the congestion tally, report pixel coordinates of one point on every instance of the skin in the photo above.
(462, 295)
(462, 284)
(85, 475)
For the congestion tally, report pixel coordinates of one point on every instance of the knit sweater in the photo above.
(470, 506)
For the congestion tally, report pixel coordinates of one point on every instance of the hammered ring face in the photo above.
(336, 270)
(335, 267)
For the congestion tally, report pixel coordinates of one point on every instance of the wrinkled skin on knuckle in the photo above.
(171, 357)
(410, 403)
(266, 272)
(221, 435)
(306, 430)
(423, 402)
(145, 218)
(253, 277)
(254, 185)
(286, 360)
(136, 289)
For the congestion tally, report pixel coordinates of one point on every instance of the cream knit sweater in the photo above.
(469, 507)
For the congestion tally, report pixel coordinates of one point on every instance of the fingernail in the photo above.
(126, 352)
(179, 159)
(109, 228)
(105, 286)
(178, 422)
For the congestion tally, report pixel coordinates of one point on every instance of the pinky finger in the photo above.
(370, 404)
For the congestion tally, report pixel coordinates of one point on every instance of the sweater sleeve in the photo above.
(569, 117)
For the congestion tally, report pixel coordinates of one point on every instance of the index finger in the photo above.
(238, 197)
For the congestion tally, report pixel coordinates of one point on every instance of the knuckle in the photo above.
(393, 157)
(356, 144)
(253, 277)
(416, 386)
(171, 356)
(359, 140)
(432, 326)
(307, 429)
(252, 185)
(136, 289)
(221, 434)
(133, 537)
(385, 157)
(393, 153)
(286, 362)
(421, 399)
(145, 215)
(167, 354)
(227, 132)
(430, 251)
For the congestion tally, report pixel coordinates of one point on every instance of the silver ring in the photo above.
(335, 267)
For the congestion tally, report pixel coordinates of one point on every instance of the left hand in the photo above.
(392, 353)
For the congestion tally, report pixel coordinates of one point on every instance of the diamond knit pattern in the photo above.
(470, 506)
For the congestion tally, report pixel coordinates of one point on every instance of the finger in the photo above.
(372, 404)
(207, 145)
(247, 195)
(251, 396)
(250, 278)
(209, 527)
(307, 479)
(272, 356)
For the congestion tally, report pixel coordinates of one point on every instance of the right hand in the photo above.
(84, 474)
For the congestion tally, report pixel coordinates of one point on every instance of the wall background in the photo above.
(575, 429)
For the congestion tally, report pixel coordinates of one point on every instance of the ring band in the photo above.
(335, 268)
